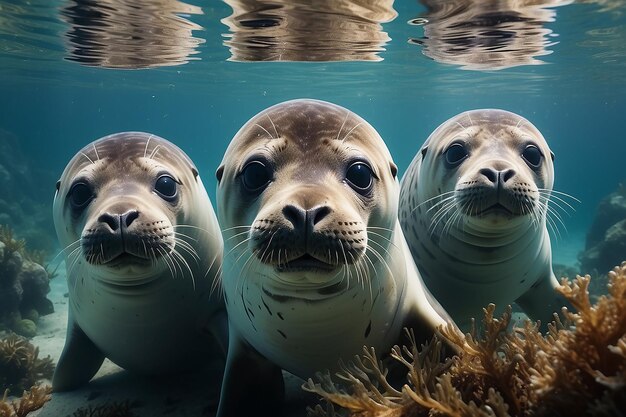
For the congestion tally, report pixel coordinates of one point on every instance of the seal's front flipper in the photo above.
(542, 300)
(79, 361)
(252, 385)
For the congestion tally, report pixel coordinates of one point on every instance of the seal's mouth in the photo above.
(125, 258)
(307, 263)
(495, 210)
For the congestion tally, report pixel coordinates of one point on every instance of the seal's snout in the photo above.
(117, 221)
(496, 176)
(305, 220)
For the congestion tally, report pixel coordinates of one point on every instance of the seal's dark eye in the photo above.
(80, 195)
(256, 175)
(360, 177)
(532, 155)
(455, 154)
(166, 187)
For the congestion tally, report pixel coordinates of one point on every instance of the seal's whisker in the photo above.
(68, 247)
(441, 203)
(555, 200)
(446, 194)
(188, 249)
(387, 239)
(85, 155)
(236, 227)
(351, 130)
(561, 193)
(145, 150)
(265, 130)
(275, 130)
(95, 149)
(163, 256)
(441, 214)
(237, 235)
(184, 262)
(343, 124)
(154, 151)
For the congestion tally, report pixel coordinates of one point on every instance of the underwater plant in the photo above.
(578, 366)
(20, 365)
(31, 400)
(113, 409)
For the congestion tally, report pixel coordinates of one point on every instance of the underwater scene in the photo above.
(312, 208)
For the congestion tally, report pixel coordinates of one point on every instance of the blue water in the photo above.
(577, 97)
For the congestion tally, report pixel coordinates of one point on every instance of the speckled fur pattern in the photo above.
(477, 228)
(305, 320)
(140, 266)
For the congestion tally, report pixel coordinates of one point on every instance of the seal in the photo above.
(142, 248)
(473, 207)
(315, 263)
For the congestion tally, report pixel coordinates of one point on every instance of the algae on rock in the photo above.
(577, 367)
(24, 285)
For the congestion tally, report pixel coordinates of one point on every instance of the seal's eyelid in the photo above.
(195, 172)
(394, 169)
(167, 174)
(58, 185)
(424, 150)
(219, 173)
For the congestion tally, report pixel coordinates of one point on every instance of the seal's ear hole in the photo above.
(195, 172)
(219, 173)
(424, 149)
(58, 186)
(552, 155)
(394, 169)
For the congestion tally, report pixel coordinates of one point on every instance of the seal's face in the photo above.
(120, 201)
(299, 187)
(491, 166)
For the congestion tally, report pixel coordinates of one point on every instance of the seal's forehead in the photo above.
(486, 122)
(307, 124)
(128, 145)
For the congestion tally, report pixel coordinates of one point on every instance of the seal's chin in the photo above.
(306, 263)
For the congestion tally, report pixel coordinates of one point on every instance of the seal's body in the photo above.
(316, 265)
(142, 250)
(473, 206)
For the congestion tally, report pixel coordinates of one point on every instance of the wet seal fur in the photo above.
(473, 206)
(315, 263)
(142, 248)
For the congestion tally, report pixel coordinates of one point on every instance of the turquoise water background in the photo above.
(55, 106)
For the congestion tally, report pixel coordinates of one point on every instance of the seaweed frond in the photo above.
(578, 366)
(20, 365)
(12, 244)
(31, 400)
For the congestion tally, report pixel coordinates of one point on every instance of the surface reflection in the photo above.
(129, 35)
(487, 35)
(301, 30)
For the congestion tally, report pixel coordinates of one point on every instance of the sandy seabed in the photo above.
(173, 395)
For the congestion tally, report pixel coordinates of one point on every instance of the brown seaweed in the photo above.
(20, 365)
(577, 367)
(31, 400)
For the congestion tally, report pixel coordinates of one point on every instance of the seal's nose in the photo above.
(114, 221)
(305, 219)
(496, 176)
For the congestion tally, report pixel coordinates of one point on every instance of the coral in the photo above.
(114, 409)
(20, 366)
(577, 367)
(31, 400)
(24, 284)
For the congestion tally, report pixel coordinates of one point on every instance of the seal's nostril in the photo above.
(296, 215)
(316, 214)
(507, 175)
(491, 174)
(129, 217)
(112, 221)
